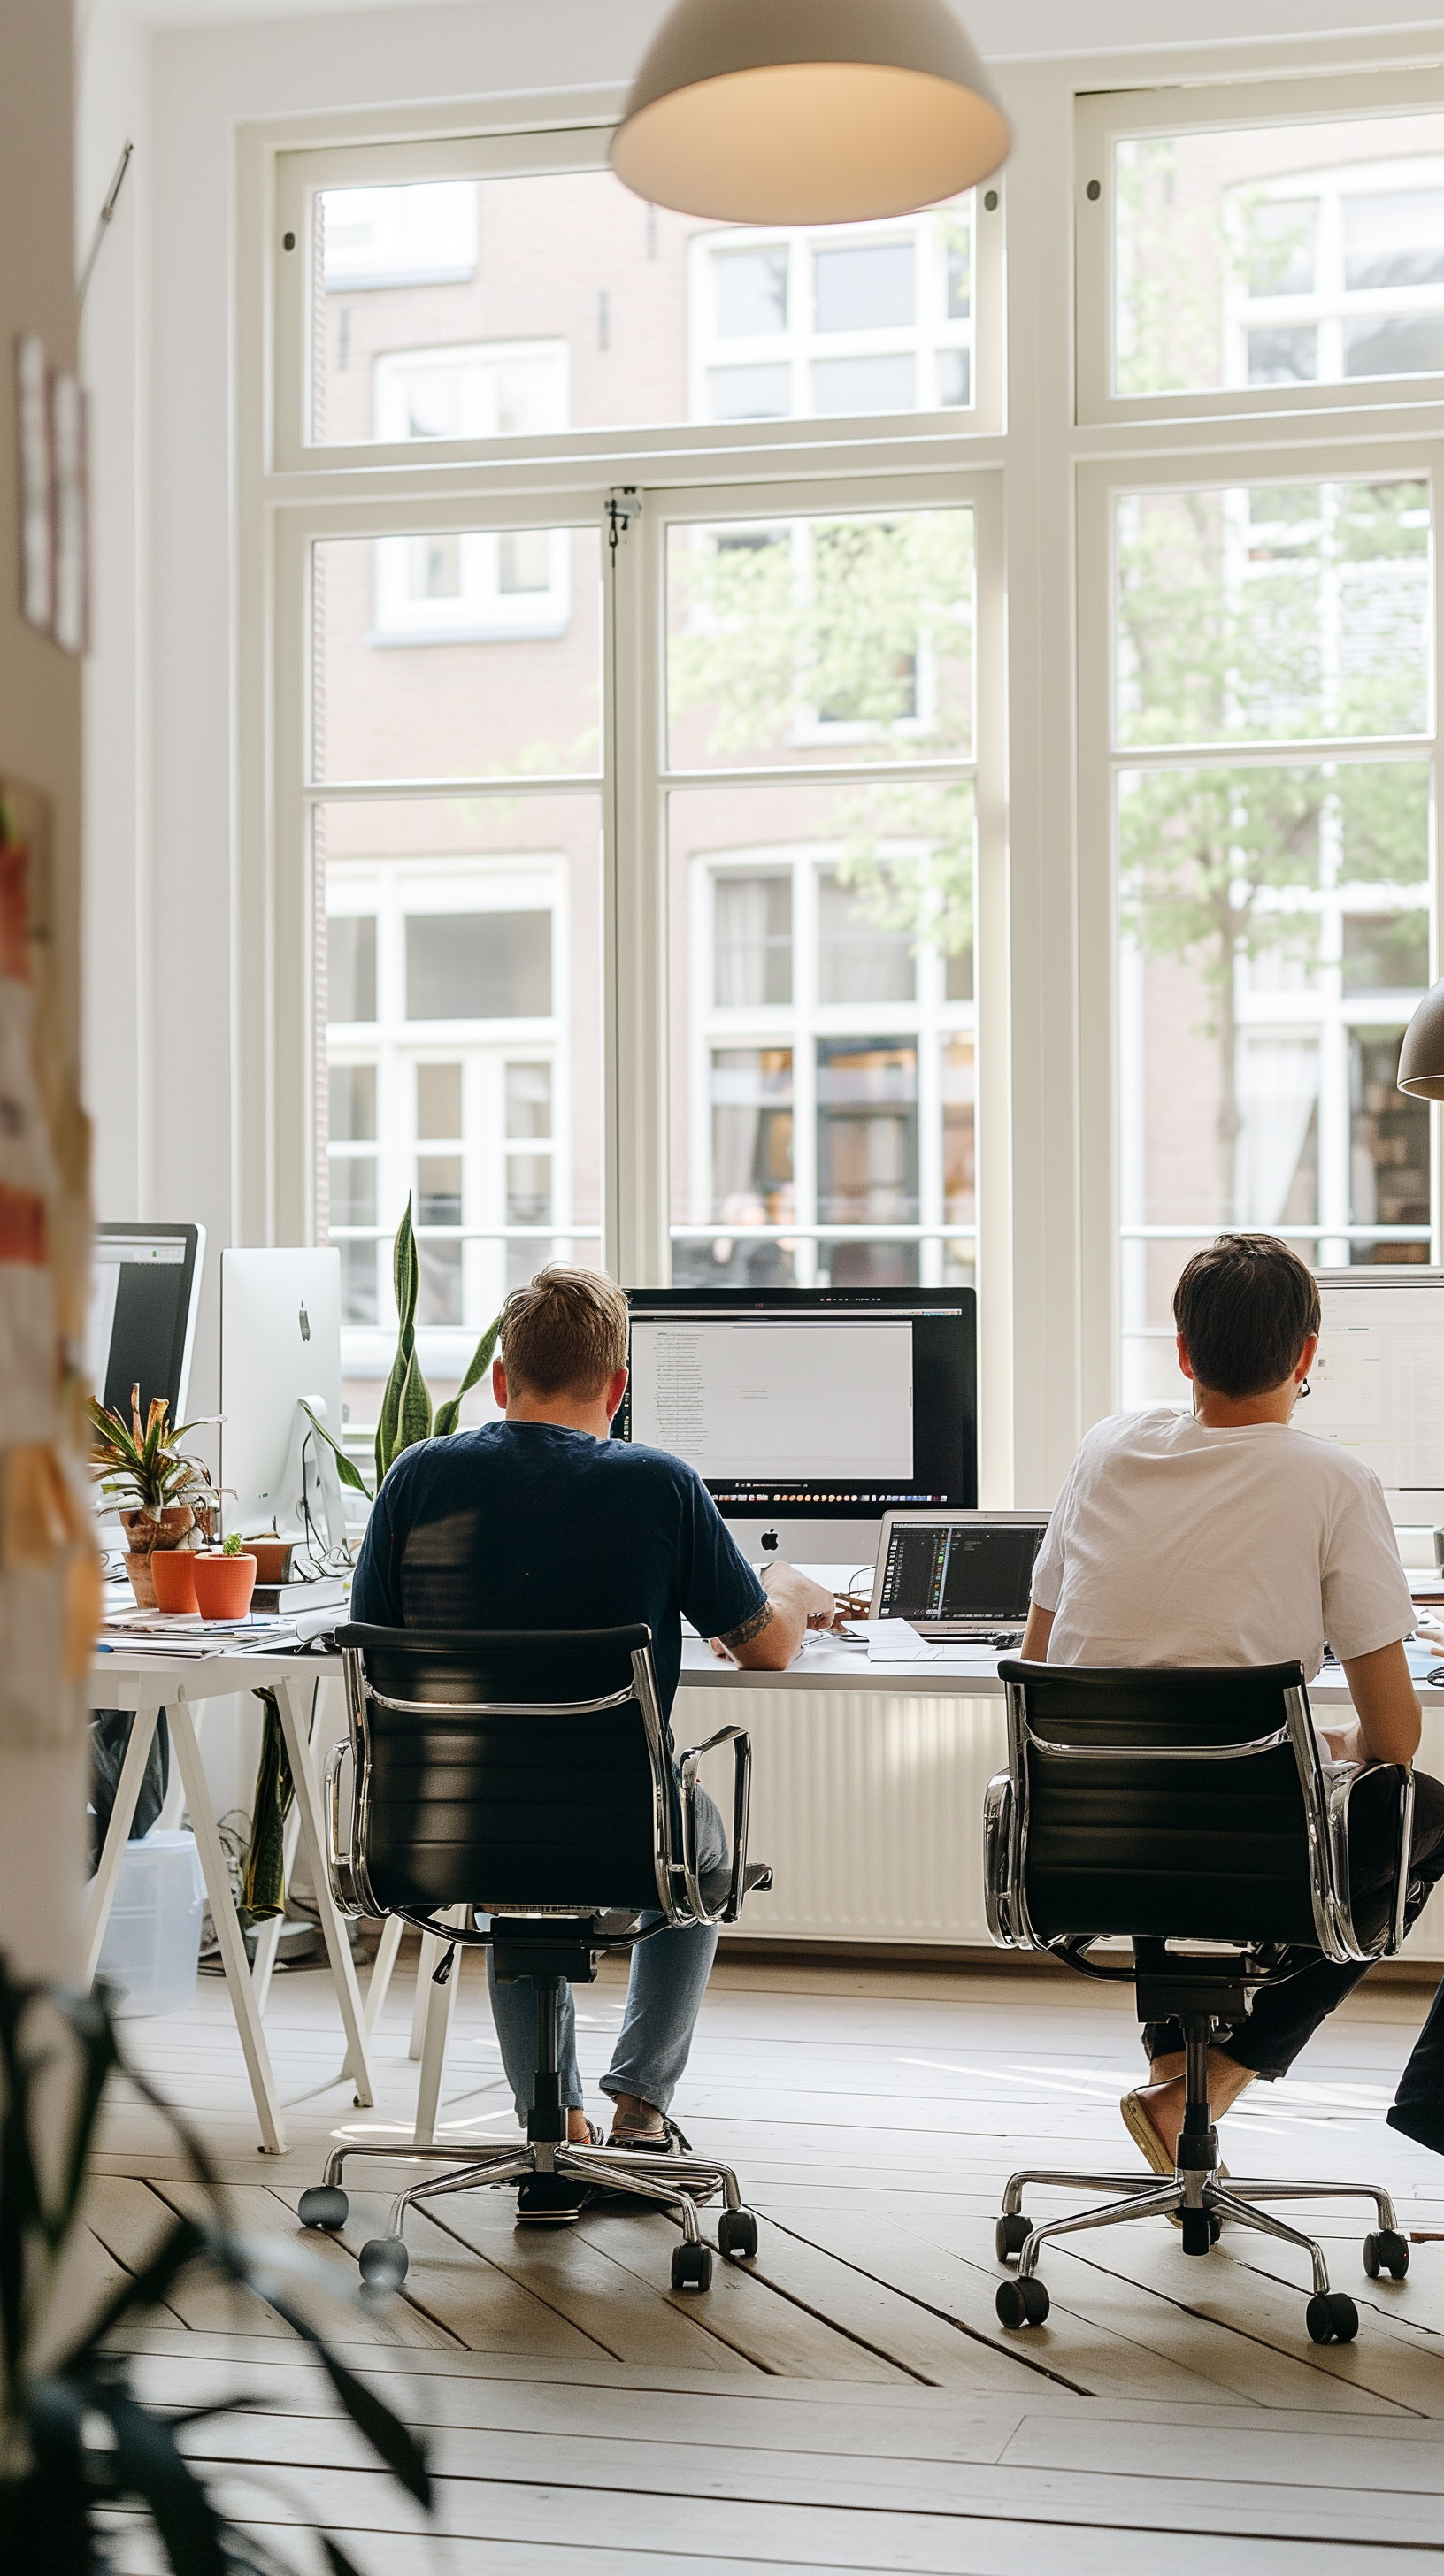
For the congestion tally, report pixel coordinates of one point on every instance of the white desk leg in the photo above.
(379, 1983)
(268, 1939)
(117, 1834)
(440, 2004)
(228, 1929)
(338, 1948)
(429, 1961)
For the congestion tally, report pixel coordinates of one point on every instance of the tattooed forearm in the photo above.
(761, 1618)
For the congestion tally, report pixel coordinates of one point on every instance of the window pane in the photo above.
(751, 290)
(438, 1189)
(1389, 1149)
(1412, 345)
(353, 1102)
(353, 1189)
(1272, 612)
(863, 286)
(478, 966)
(800, 640)
(524, 307)
(1286, 357)
(351, 961)
(438, 1100)
(1221, 236)
(482, 911)
(528, 1100)
(821, 1022)
(457, 654)
(752, 940)
(864, 384)
(1256, 906)
(860, 959)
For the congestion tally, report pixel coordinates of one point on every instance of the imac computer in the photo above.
(145, 1286)
(1377, 1386)
(281, 1353)
(810, 1413)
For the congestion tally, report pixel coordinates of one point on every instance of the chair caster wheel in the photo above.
(1022, 2303)
(737, 2234)
(1201, 2228)
(1332, 2318)
(1386, 2252)
(1010, 2236)
(384, 2262)
(692, 2267)
(326, 2205)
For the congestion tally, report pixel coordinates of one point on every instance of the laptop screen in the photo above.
(959, 1570)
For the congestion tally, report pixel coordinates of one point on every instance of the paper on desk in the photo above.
(892, 1641)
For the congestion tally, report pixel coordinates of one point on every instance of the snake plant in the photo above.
(406, 1408)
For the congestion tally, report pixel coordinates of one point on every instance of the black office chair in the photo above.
(1190, 1811)
(528, 1778)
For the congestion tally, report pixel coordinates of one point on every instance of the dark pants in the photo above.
(1285, 2017)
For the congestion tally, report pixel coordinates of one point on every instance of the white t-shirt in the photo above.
(1173, 1544)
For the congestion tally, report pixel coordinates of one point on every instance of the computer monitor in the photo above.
(1377, 1386)
(809, 1413)
(145, 1286)
(281, 1352)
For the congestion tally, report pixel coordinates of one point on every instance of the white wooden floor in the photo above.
(849, 2401)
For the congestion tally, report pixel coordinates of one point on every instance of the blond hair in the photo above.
(564, 1333)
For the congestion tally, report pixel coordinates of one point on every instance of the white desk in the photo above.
(182, 1687)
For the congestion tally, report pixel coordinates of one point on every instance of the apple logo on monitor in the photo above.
(769, 1541)
(305, 1323)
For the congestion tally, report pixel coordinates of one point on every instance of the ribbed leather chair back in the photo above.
(549, 1810)
(1196, 1849)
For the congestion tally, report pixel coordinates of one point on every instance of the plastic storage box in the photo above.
(153, 1939)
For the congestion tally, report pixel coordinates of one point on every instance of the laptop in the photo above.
(960, 1578)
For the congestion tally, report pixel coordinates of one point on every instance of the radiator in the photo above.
(869, 1807)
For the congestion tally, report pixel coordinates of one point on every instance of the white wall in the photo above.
(42, 1804)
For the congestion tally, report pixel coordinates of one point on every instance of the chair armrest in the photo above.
(1341, 1780)
(340, 1869)
(997, 1861)
(741, 1744)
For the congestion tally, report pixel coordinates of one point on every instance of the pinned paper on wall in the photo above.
(51, 445)
(49, 1591)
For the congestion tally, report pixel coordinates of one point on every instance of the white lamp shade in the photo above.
(808, 111)
(1421, 1057)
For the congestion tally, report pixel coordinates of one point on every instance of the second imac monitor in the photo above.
(809, 1413)
(281, 1353)
(1378, 1381)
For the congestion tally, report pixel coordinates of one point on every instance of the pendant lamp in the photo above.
(1421, 1057)
(808, 111)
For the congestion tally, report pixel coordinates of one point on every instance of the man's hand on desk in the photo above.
(768, 1642)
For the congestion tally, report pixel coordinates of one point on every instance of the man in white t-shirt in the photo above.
(1224, 1536)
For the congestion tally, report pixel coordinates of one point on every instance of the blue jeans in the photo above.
(664, 1996)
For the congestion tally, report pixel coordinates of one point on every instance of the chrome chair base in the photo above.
(673, 2183)
(1201, 2198)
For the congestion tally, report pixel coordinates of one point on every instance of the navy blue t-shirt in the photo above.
(529, 1525)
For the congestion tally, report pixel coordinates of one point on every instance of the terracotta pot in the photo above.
(273, 1558)
(172, 1578)
(224, 1585)
(143, 1535)
(138, 1568)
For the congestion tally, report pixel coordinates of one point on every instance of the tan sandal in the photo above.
(1146, 2138)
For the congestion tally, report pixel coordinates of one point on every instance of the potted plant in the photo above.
(406, 1408)
(165, 1500)
(225, 1578)
(80, 2451)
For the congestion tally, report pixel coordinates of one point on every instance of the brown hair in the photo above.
(564, 1333)
(1245, 1308)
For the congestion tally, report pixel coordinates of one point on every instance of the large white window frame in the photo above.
(1050, 448)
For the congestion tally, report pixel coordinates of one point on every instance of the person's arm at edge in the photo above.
(1034, 1648)
(767, 1642)
(1387, 1724)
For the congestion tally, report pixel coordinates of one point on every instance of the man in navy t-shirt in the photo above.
(544, 1521)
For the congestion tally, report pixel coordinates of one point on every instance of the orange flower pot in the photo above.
(224, 1585)
(173, 1575)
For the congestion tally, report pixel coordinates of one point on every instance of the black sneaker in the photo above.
(1425, 2127)
(551, 2200)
